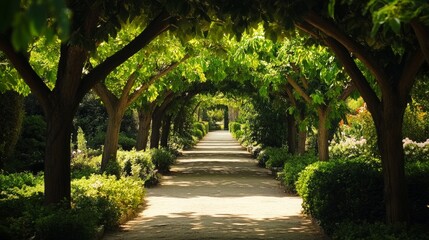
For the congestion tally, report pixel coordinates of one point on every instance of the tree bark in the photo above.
(145, 117)
(389, 133)
(291, 134)
(112, 138)
(156, 128)
(322, 134)
(57, 156)
(302, 137)
(166, 127)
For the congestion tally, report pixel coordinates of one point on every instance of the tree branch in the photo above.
(358, 79)
(30, 77)
(157, 26)
(298, 89)
(346, 92)
(331, 30)
(422, 35)
(409, 72)
(130, 82)
(153, 78)
(107, 97)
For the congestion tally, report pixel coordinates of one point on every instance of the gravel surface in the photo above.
(216, 191)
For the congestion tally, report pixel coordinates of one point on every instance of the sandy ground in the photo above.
(216, 191)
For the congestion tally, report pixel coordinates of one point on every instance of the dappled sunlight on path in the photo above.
(216, 191)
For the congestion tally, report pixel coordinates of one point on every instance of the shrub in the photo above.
(66, 224)
(127, 143)
(201, 127)
(349, 147)
(418, 190)
(375, 231)
(96, 200)
(197, 133)
(292, 167)
(339, 191)
(138, 164)
(416, 151)
(112, 198)
(162, 159)
(276, 157)
(30, 149)
(234, 127)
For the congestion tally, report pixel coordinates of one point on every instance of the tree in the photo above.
(316, 77)
(393, 59)
(61, 97)
(118, 97)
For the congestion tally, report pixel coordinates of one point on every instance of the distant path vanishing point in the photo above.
(216, 191)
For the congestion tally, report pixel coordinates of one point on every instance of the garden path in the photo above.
(216, 191)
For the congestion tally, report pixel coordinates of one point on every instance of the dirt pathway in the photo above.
(216, 191)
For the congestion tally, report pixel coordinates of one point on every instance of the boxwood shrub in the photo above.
(351, 191)
(292, 167)
(339, 191)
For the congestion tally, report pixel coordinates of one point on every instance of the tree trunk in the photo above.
(156, 127)
(291, 134)
(166, 126)
(145, 118)
(57, 159)
(111, 139)
(389, 133)
(302, 138)
(322, 134)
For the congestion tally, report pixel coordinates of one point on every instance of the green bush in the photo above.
(418, 190)
(30, 149)
(276, 157)
(96, 200)
(378, 231)
(138, 164)
(234, 127)
(197, 133)
(66, 224)
(127, 143)
(112, 198)
(292, 167)
(201, 127)
(339, 191)
(163, 159)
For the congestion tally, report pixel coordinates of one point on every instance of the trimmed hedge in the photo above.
(292, 167)
(351, 191)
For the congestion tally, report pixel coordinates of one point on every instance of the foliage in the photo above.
(293, 167)
(81, 141)
(126, 142)
(415, 124)
(234, 127)
(416, 151)
(112, 198)
(338, 191)
(372, 231)
(201, 126)
(139, 165)
(273, 157)
(349, 147)
(163, 159)
(11, 117)
(343, 191)
(30, 149)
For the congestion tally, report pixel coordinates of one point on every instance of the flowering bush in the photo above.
(416, 151)
(349, 147)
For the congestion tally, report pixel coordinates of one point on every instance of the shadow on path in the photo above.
(216, 191)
